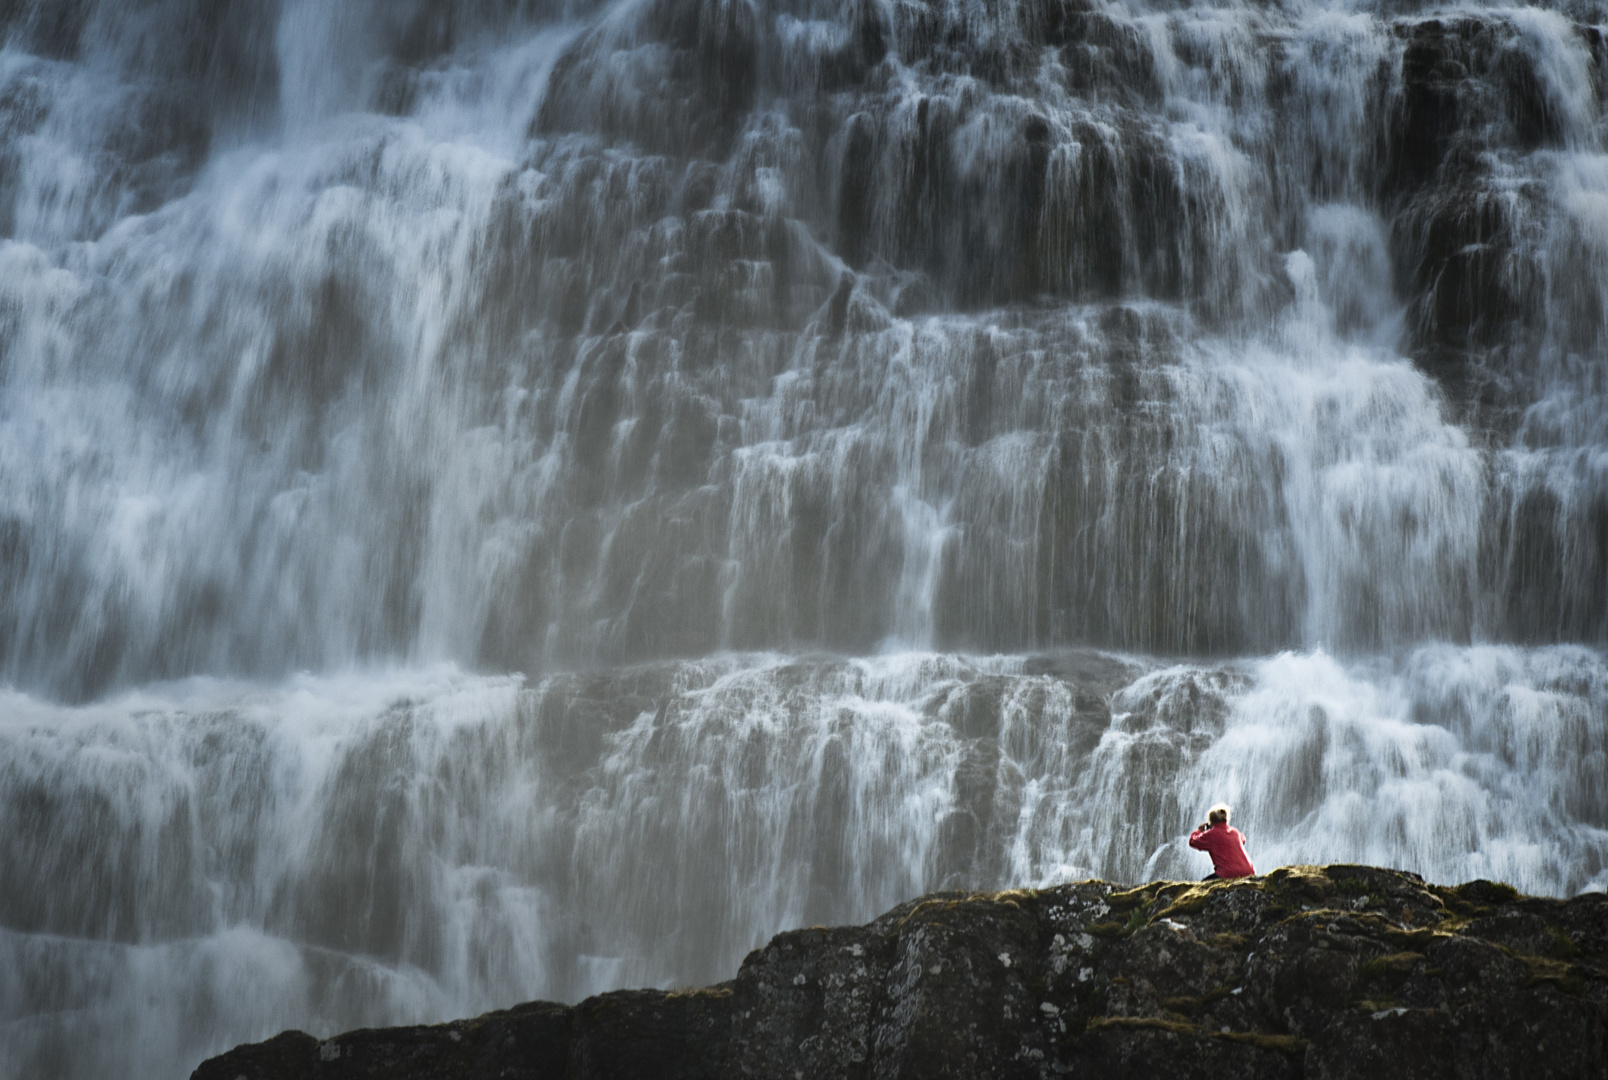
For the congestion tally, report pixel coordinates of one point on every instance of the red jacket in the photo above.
(1226, 845)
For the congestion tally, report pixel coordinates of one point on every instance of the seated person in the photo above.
(1224, 843)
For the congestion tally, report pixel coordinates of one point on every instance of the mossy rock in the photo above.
(1144, 1023)
(1284, 1044)
(1190, 1004)
(1490, 893)
(1310, 883)
(1392, 967)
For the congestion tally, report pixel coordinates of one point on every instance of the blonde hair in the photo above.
(1218, 814)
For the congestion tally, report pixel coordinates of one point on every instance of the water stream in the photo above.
(517, 498)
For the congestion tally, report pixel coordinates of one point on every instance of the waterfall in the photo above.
(511, 499)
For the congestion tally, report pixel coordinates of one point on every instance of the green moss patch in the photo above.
(1560, 946)
(1310, 882)
(1284, 1044)
(1190, 1004)
(1192, 899)
(1143, 1023)
(1415, 940)
(1393, 967)
(1486, 892)
(1564, 976)
(929, 909)
(1120, 902)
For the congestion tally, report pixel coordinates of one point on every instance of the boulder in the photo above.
(1327, 973)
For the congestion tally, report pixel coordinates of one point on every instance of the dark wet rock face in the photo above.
(1327, 973)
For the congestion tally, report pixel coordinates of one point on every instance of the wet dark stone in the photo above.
(290, 1055)
(650, 1035)
(528, 1042)
(1534, 577)
(1429, 112)
(1412, 1044)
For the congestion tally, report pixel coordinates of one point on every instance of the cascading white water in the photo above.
(512, 499)
(206, 861)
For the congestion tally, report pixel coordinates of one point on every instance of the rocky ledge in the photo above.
(1317, 972)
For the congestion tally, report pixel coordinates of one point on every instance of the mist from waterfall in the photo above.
(513, 499)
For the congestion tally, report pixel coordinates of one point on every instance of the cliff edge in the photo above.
(1312, 972)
